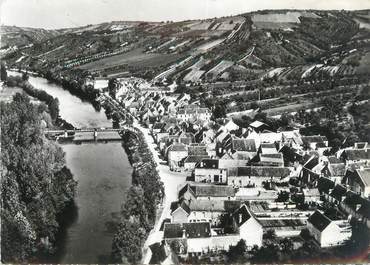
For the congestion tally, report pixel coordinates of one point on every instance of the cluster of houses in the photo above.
(237, 178)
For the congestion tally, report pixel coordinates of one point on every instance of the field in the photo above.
(209, 45)
(282, 20)
(218, 69)
(364, 66)
(135, 58)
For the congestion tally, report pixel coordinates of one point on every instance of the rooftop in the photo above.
(189, 230)
(319, 221)
(277, 172)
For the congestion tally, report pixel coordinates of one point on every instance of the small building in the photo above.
(311, 195)
(241, 149)
(208, 170)
(248, 227)
(202, 211)
(258, 126)
(175, 154)
(255, 176)
(192, 160)
(314, 142)
(352, 156)
(327, 232)
(358, 180)
(273, 160)
(202, 191)
(283, 227)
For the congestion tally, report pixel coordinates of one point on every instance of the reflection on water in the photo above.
(77, 112)
(103, 173)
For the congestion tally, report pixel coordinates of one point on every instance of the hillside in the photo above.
(281, 44)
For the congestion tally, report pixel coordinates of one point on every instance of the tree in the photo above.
(54, 108)
(286, 245)
(219, 112)
(283, 196)
(25, 77)
(113, 85)
(116, 120)
(270, 234)
(36, 185)
(128, 241)
(3, 73)
(238, 253)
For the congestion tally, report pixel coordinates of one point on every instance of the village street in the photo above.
(172, 181)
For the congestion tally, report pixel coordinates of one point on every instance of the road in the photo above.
(172, 182)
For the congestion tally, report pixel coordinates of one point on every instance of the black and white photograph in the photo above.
(185, 132)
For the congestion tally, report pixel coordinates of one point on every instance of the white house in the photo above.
(208, 170)
(248, 227)
(328, 233)
(201, 211)
(254, 176)
(202, 191)
(176, 153)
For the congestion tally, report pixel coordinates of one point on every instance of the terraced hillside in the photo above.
(281, 44)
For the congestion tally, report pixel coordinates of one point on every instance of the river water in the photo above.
(103, 173)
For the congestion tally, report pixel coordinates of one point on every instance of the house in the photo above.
(352, 156)
(241, 149)
(202, 191)
(185, 234)
(258, 126)
(291, 139)
(327, 232)
(283, 227)
(193, 114)
(204, 136)
(315, 141)
(197, 239)
(276, 160)
(335, 169)
(176, 152)
(254, 176)
(228, 125)
(309, 175)
(290, 155)
(208, 170)
(202, 211)
(337, 194)
(358, 180)
(192, 160)
(248, 227)
(311, 195)
(268, 148)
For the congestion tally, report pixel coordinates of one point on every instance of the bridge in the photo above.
(88, 134)
(83, 130)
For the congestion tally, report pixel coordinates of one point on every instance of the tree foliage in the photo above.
(36, 185)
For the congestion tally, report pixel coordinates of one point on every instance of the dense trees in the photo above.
(139, 211)
(53, 103)
(3, 73)
(36, 185)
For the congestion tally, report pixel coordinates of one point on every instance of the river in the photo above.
(103, 173)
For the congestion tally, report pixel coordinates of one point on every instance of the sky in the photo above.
(53, 14)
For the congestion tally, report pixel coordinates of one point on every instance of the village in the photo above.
(225, 183)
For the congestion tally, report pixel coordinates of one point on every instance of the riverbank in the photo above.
(51, 102)
(147, 192)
